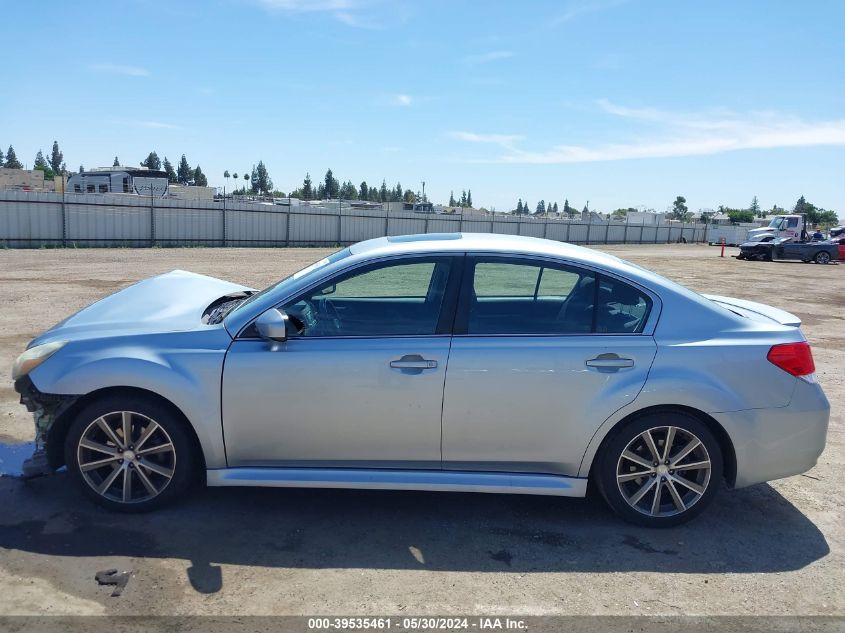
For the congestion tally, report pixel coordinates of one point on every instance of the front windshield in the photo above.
(775, 222)
(334, 257)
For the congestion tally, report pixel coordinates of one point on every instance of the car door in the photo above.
(359, 380)
(543, 353)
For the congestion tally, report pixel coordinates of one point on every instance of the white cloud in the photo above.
(677, 134)
(583, 7)
(486, 58)
(158, 125)
(116, 69)
(505, 140)
(347, 12)
(308, 5)
(401, 100)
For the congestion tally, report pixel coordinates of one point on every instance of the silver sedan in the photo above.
(454, 362)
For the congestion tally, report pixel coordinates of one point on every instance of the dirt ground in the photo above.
(770, 549)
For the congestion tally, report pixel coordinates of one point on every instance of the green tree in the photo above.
(554, 209)
(331, 185)
(619, 213)
(116, 162)
(519, 207)
(2, 159)
(469, 198)
(12, 161)
(348, 191)
(82, 169)
(740, 215)
(42, 165)
(755, 208)
(541, 208)
(151, 162)
(184, 173)
(567, 210)
(307, 188)
(261, 181)
(815, 215)
(171, 173)
(199, 178)
(364, 191)
(398, 193)
(409, 196)
(463, 198)
(679, 209)
(452, 198)
(56, 159)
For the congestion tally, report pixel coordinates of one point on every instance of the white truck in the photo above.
(794, 226)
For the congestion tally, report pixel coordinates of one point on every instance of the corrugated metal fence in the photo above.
(32, 220)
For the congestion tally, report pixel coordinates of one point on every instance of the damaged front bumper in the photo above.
(46, 408)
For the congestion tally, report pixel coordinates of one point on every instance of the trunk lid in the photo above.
(756, 311)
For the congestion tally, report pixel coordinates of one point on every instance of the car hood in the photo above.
(756, 311)
(171, 302)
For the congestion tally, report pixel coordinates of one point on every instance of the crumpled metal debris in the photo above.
(113, 577)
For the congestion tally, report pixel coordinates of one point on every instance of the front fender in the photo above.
(182, 367)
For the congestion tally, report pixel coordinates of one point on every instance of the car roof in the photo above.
(482, 243)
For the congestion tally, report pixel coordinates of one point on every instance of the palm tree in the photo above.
(246, 178)
(226, 176)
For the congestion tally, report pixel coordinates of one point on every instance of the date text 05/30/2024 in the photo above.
(416, 624)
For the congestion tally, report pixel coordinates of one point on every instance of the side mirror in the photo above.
(272, 325)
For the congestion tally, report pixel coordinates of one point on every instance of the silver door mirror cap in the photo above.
(272, 325)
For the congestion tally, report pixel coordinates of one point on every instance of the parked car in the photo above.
(451, 362)
(789, 248)
(839, 240)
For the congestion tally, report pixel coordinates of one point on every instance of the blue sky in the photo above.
(619, 102)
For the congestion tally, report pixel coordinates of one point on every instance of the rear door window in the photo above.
(524, 296)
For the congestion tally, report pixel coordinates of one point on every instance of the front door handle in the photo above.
(608, 361)
(413, 361)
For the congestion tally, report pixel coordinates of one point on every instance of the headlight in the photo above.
(33, 357)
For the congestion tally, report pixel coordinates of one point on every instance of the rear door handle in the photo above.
(608, 362)
(413, 361)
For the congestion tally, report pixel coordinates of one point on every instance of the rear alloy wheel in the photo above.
(660, 470)
(822, 257)
(128, 454)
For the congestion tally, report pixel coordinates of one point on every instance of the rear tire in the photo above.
(822, 257)
(130, 453)
(646, 484)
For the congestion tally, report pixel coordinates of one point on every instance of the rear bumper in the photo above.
(780, 442)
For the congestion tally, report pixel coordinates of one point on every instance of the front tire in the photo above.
(660, 470)
(130, 453)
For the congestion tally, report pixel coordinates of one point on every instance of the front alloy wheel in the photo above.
(659, 470)
(129, 453)
(126, 457)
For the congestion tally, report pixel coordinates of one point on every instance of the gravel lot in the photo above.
(770, 549)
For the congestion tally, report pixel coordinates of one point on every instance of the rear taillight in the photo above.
(794, 358)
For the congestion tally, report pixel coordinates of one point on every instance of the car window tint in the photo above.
(557, 282)
(622, 308)
(530, 298)
(494, 279)
(409, 281)
(390, 299)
